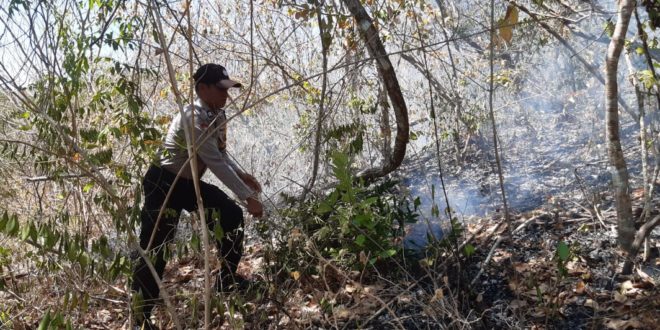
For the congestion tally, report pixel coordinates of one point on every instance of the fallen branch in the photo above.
(640, 236)
(499, 240)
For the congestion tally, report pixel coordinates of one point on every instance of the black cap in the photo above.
(214, 74)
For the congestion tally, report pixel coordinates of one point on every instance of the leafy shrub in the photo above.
(358, 221)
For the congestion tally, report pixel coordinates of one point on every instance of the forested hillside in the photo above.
(422, 164)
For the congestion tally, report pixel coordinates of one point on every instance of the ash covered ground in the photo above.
(552, 152)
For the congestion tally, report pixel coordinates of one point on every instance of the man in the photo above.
(211, 86)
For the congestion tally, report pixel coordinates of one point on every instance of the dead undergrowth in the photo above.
(532, 281)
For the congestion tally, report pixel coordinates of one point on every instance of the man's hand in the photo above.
(251, 182)
(254, 207)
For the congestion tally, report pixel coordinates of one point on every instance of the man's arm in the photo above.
(218, 162)
(249, 180)
(216, 158)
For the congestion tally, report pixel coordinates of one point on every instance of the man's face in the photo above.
(212, 95)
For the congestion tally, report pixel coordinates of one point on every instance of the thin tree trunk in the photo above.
(192, 152)
(325, 45)
(626, 225)
(649, 181)
(456, 104)
(646, 176)
(203, 225)
(387, 74)
(642, 129)
(385, 130)
(491, 93)
(427, 72)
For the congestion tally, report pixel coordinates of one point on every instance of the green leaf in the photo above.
(102, 157)
(341, 166)
(609, 28)
(88, 187)
(25, 232)
(469, 250)
(360, 240)
(370, 201)
(50, 238)
(218, 232)
(45, 321)
(33, 232)
(4, 220)
(562, 251)
(387, 253)
(323, 208)
(83, 260)
(435, 211)
(57, 321)
(195, 242)
(417, 202)
(12, 226)
(85, 302)
(362, 220)
(647, 78)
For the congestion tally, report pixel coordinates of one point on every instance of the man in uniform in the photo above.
(209, 131)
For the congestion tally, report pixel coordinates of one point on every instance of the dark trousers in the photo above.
(219, 209)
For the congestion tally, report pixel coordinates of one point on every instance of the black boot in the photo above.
(146, 325)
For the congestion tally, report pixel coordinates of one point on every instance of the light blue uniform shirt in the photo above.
(209, 154)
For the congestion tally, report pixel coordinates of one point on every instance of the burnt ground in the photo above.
(521, 287)
(555, 174)
(524, 285)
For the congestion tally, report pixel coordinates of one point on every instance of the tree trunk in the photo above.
(386, 72)
(385, 130)
(626, 225)
(325, 45)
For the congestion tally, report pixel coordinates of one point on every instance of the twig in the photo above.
(386, 306)
(525, 224)
(338, 271)
(577, 220)
(499, 240)
(196, 179)
(61, 176)
(595, 210)
(14, 277)
(490, 255)
(15, 295)
(472, 237)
